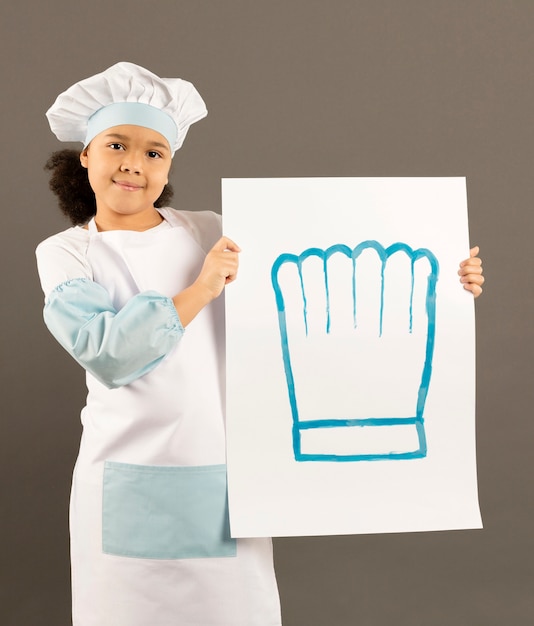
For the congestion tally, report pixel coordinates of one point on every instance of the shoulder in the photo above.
(63, 257)
(204, 226)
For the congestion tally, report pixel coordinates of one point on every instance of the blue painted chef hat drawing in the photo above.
(326, 426)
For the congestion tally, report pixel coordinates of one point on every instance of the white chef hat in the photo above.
(126, 93)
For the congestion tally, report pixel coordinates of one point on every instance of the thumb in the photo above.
(225, 243)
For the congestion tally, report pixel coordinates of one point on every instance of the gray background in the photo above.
(294, 88)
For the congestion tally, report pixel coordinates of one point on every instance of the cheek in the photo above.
(99, 180)
(94, 179)
(161, 180)
(157, 191)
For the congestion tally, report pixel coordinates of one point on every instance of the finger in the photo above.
(471, 261)
(228, 260)
(231, 275)
(475, 279)
(470, 269)
(474, 251)
(476, 290)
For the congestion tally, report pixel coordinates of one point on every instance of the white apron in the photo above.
(150, 542)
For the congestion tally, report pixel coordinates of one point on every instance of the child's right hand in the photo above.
(219, 269)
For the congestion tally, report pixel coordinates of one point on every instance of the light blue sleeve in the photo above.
(116, 347)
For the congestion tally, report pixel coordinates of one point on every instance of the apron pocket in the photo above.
(162, 512)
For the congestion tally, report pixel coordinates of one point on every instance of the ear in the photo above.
(83, 158)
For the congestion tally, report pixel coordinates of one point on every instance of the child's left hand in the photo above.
(470, 273)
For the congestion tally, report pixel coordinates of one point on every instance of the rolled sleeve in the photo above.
(116, 347)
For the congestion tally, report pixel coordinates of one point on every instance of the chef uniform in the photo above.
(150, 536)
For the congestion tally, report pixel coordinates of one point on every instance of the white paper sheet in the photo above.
(350, 357)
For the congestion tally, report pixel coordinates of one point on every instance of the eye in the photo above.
(153, 154)
(116, 146)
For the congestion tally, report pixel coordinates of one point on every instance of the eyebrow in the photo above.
(155, 144)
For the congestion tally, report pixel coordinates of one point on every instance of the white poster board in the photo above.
(350, 357)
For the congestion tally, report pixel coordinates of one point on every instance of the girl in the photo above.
(150, 540)
(131, 291)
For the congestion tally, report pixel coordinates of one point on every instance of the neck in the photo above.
(139, 222)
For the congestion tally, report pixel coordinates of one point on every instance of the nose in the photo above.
(132, 163)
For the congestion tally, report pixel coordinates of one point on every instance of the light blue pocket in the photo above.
(162, 512)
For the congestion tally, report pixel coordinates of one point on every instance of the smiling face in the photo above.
(128, 167)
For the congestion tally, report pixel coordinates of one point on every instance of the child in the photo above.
(150, 541)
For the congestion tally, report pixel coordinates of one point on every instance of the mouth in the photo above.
(127, 186)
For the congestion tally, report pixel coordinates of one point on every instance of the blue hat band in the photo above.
(135, 113)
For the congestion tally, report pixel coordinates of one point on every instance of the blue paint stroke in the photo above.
(353, 253)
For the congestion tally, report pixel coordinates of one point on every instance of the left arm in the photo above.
(470, 273)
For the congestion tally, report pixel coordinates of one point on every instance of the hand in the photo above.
(470, 273)
(220, 267)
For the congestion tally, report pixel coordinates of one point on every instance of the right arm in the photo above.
(119, 346)
(115, 346)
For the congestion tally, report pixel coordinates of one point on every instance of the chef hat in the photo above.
(126, 93)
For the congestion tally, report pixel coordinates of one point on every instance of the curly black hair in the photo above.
(70, 183)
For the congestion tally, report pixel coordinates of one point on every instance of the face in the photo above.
(128, 167)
